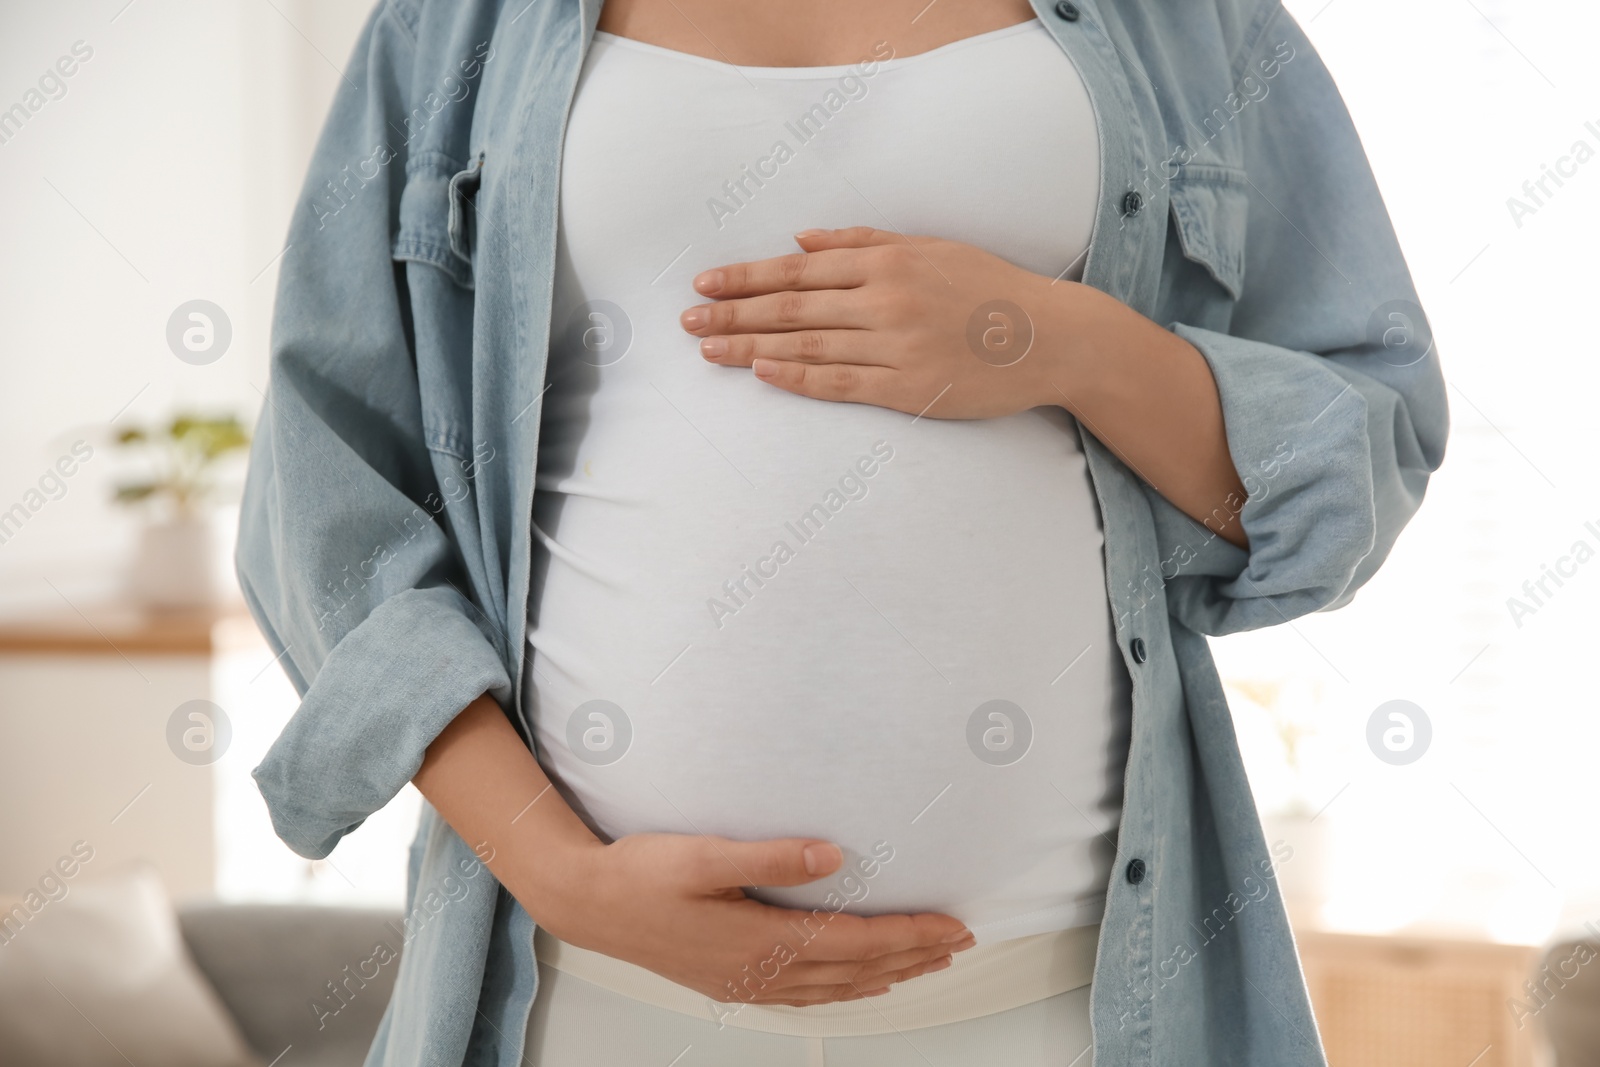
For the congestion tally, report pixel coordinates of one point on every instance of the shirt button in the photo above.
(1136, 871)
(1132, 203)
(1140, 653)
(1067, 11)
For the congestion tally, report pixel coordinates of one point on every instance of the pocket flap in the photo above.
(464, 210)
(433, 226)
(1211, 206)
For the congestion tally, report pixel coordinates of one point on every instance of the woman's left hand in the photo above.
(940, 328)
(921, 325)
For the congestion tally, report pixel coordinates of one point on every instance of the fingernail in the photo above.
(941, 965)
(765, 368)
(710, 282)
(811, 233)
(959, 935)
(819, 857)
(714, 347)
(694, 318)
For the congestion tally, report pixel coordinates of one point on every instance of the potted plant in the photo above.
(175, 563)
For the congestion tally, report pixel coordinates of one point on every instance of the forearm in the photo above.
(1148, 395)
(490, 789)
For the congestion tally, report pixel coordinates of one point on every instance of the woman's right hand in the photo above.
(673, 904)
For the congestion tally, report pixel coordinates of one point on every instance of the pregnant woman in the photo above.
(764, 473)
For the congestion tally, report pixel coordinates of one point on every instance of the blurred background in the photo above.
(1426, 752)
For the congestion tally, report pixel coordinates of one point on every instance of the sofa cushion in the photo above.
(100, 977)
(310, 978)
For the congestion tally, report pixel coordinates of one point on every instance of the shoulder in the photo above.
(1247, 25)
(439, 48)
(444, 37)
(441, 25)
(403, 15)
(1198, 45)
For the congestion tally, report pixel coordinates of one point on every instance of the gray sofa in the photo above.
(1568, 984)
(271, 965)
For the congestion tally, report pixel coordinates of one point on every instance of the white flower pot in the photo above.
(175, 564)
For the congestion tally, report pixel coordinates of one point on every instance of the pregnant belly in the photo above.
(758, 615)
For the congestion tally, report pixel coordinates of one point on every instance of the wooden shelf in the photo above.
(112, 629)
(1402, 1001)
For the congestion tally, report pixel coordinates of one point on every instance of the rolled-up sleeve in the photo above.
(1330, 384)
(342, 555)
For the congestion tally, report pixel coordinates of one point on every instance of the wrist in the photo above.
(1065, 316)
(1085, 340)
(553, 874)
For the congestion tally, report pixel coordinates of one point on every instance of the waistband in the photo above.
(980, 981)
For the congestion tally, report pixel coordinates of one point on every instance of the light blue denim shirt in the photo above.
(385, 545)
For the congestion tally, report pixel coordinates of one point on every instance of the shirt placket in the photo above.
(1124, 261)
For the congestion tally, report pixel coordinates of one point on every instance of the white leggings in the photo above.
(575, 1023)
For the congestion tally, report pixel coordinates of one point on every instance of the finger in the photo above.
(841, 382)
(801, 346)
(906, 973)
(832, 268)
(848, 237)
(937, 962)
(807, 309)
(720, 862)
(862, 938)
(828, 993)
(871, 972)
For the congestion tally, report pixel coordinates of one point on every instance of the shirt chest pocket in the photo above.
(1206, 246)
(438, 214)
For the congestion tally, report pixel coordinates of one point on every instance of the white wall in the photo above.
(166, 172)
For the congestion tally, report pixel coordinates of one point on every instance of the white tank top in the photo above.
(760, 615)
